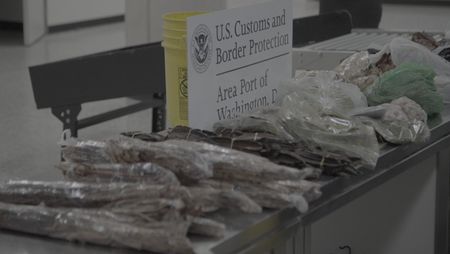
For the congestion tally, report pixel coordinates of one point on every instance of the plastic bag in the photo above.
(403, 51)
(357, 69)
(413, 81)
(403, 121)
(314, 110)
(443, 87)
(98, 227)
(331, 133)
(325, 91)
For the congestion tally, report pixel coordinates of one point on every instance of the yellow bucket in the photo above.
(178, 42)
(175, 55)
(174, 32)
(177, 20)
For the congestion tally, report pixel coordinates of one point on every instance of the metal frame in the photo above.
(136, 72)
(442, 201)
(276, 227)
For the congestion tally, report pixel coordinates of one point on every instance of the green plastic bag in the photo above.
(411, 80)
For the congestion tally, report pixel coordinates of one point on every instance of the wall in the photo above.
(144, 17)
(415, 17)
(69, 11)
(11, 10)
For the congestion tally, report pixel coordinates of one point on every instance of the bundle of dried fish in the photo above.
(148, 210)
(226, 163)
(207, 227)
(231, 164)
(273, 194)
(291, 154)
(310, 190)
(85, 151)
(98, 227)
(157, 202)
(83, 195)
(205, 200)
(148, 173)
(187, 164)
(272, 199)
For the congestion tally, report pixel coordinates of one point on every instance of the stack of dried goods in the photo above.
(151, 195)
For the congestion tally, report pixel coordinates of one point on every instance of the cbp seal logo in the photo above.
(201, 48)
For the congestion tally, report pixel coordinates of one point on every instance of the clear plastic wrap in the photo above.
(225, 164)
(320, 118)
(231, 164)
(84, 195)
(148, 173)
(207, 227)
(357, 69)
(324, 91)
(314, 110)
(187, 164)
(404, 121)
(88, 151)
(443, 87)
(404, 51)
(206, 200)
(273, 194)
(98, 227)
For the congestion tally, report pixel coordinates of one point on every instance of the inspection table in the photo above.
(400, 207)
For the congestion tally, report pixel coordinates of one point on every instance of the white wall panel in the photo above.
(69, 11)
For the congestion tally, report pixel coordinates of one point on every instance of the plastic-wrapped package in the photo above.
(224, 162)
(404, 51)
(263, 120)
(410, 80)
(125, 198)
(133, 173)
(207, 227)
(85, 151)
(270, 146)
(412, 110)
(236, 165)
(325, 92)
(84, 195)
(358, 70)
(313, 110)
(404, 121)
(315, 124)
(443, 87)
(98, 227)
(151, 209)
(207, 200)
(188, 166)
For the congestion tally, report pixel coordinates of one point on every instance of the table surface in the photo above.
(243, 230)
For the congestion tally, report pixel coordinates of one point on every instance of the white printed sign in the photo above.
(236, 59)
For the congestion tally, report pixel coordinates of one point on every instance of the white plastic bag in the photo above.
(443, 86)
(403, 50)
(325, 91)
